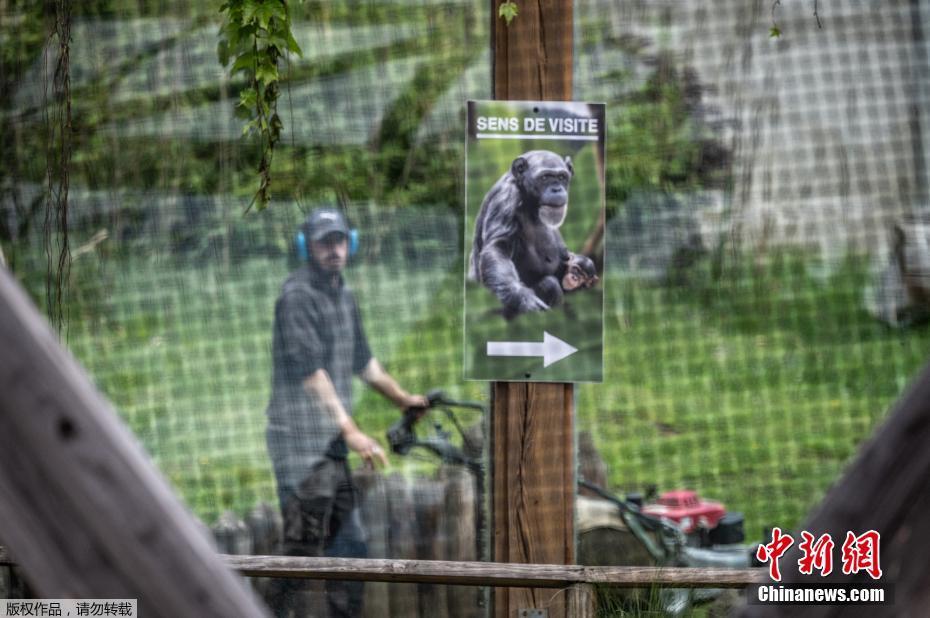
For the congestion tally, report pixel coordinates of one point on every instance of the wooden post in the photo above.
(403, 542)
(82, 508)
(532, 57)
(532, 441)
(533, 486)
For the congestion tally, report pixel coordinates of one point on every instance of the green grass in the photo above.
(184, 354)
(753, 387)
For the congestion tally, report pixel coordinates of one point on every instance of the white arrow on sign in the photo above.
(552, 349)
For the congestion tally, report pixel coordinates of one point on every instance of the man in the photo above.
(318, 344)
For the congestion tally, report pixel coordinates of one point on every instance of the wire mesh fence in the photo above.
(765, 273)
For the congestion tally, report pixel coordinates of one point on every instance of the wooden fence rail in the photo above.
(493, 574)
(577, 583)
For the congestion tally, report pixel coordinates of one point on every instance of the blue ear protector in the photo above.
(303, 252)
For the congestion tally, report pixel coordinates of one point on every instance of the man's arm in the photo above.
(379, 379)
(320, 386)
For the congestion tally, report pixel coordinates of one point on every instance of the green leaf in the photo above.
(248, 97)
(222, 51)
(249, 9)
(269, 10)
(508, 10)
(292, 45)
(774, 32)
(249, 126)
(277, 9)
(264, 15)
(245, 62)
(266, 73)
(279, 43)
(232, 33)
(276, 126)
(244, 113)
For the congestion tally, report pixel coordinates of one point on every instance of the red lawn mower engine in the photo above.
(704, 522)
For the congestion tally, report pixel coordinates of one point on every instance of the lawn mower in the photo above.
(679, 528)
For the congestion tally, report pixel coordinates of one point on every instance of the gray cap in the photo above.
(323, 221)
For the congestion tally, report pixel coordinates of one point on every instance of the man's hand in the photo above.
(413, 401)
(369, 450)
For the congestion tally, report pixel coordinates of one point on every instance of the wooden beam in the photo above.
(82, 508)
(532, 431)
(490, 573)
(471, 573)
(883, 489)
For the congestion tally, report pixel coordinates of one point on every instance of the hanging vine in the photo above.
(775, 30)
(57, 163)
(255, 35)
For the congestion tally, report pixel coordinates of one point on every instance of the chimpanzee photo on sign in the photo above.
(534, 256)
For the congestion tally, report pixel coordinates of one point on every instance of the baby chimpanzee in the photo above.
(579, 273)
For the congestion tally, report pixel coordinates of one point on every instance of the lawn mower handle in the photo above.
(400, 435)
(402, 438)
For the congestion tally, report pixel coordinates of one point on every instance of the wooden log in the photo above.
(591, 466)
(12, 585)
(374, 507)
(605, 540)
(581, 601)
(264, 524)
(231, 534)
(429, 502)
(402, 517)
(603, 536)
(83, 508)
(461, 534)
(884, 489)
(492, 573)
(17, 586)
(460, 514)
